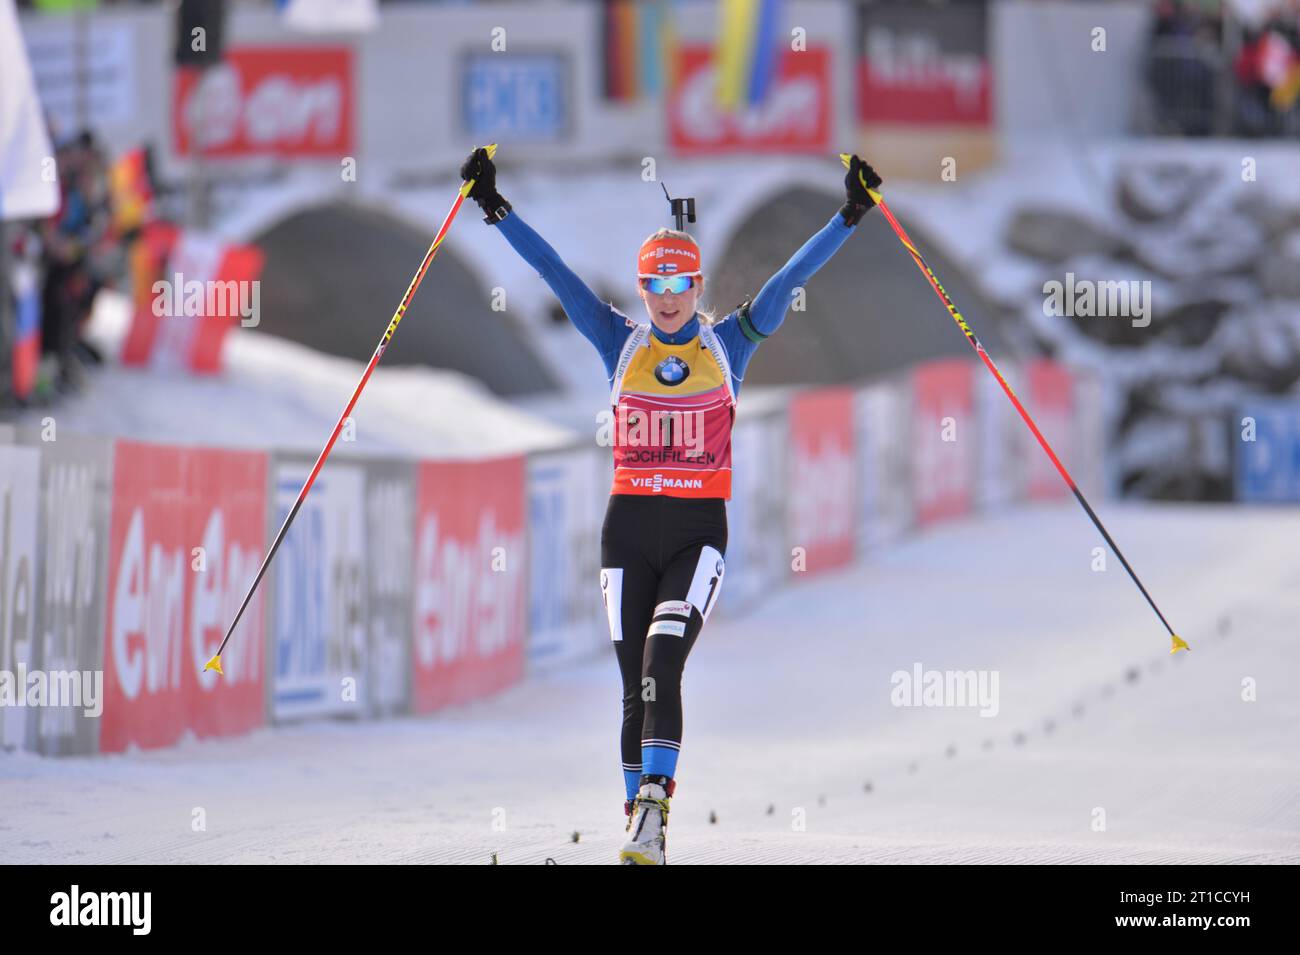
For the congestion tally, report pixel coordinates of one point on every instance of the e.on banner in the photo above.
(186, 536)
(796, 116)
(1051, 403)
(470, 580)
(278, 101)
(944, 437)
(822, 501)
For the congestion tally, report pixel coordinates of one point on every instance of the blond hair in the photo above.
(707, 315)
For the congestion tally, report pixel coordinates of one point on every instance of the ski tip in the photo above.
(847, 159)
(215, 664)
(1178, 643)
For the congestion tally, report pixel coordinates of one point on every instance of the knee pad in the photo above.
(671, 618)
(674, 617)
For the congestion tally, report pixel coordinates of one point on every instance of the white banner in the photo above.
(332, 16)
(29, 184)
(757, 558)
(19, 499)
(318, 594)
(567, 494)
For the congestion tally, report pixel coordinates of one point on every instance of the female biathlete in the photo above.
(673, 385)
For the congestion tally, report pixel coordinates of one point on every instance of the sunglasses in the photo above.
(658, 284)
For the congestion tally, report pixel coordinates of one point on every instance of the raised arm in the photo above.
(768, 309)
(766, 312)
(598, 321)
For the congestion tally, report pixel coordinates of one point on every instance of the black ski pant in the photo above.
(661, 572)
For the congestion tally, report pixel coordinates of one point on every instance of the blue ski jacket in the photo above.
(740, 332)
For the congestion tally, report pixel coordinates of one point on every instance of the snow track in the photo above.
(789, 720)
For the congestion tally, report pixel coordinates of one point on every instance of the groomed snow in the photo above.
(278, 394)
(788, 707)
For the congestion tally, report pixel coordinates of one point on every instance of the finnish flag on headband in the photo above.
(330, 16)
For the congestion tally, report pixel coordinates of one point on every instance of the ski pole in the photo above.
(215, 662)
(1177, 642)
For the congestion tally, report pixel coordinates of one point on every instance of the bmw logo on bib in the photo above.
(672, 371)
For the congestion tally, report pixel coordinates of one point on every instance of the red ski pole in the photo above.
(1177, 642)
(215, 662)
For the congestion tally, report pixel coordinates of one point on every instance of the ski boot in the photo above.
(647, 823)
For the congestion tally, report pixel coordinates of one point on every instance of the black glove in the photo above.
(479, 167)
(857, 181)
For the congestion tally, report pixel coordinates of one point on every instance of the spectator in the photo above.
(1182, 67)
(69, 241)
(1266, 70)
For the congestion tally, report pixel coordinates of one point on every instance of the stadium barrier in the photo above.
(406, 586)
(757, 554)
(470, 580)
(566, 505)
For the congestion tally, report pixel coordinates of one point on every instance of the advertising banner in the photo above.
(290, 101)
(822, 504)
(567, 495)
(471, 580)
(924, 65)
(882, 422)
(1051, 404)
(185, 540)
(75, 507)
(795, 117)
(757, 556)
(945, 434)
(520, 98)
(390, 579)
(19, 494)
(318, 596)
(1001, 460)
(1266, 436)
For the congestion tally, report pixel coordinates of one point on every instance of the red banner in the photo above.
(822, 490)
(924, 65)
(944, 439)
(1051, 405)
(187, 533)
(278, 101)
(470, 580)
(795, 117)
(924, 97)
(190, 290)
